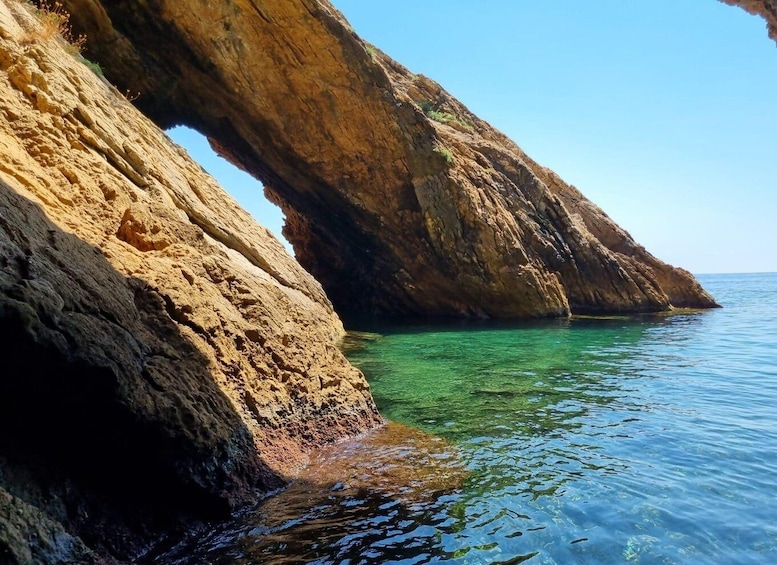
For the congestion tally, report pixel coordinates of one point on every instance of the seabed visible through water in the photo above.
(647, 439)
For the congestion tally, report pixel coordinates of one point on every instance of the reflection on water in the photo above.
(647, 440)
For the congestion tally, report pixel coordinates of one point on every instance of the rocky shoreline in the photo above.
(398, 200)
(165, 360)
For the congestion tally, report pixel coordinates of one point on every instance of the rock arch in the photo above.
(398, 199)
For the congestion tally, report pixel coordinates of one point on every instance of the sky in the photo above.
(663, 113)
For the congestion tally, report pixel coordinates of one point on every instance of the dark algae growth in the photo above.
(646, 439)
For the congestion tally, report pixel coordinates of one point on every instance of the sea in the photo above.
(619, 439)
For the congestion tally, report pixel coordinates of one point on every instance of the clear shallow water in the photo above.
(650, 439)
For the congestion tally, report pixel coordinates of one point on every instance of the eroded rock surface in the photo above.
(397, 199)
(163, 358)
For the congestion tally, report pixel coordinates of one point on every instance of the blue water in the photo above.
(649, 439)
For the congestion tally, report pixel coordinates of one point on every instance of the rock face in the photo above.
(767, 9)
(163, 358)
(398, 200)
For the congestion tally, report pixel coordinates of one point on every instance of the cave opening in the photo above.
(246, 189)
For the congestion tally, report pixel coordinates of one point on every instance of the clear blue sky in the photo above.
(662, 112)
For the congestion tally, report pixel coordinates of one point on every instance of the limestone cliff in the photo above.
(398, 200)
(163, 358)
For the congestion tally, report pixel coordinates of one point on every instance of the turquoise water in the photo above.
(650, 439)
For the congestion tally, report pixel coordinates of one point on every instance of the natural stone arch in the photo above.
(394, 212)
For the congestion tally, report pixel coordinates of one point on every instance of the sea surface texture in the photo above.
(648, 439)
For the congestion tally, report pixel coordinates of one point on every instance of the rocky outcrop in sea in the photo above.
(164, 360)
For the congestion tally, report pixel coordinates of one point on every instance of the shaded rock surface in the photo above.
(164, 358)
(397, 198)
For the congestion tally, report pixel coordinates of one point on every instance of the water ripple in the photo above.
(649, 439)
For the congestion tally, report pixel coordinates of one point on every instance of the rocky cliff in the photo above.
(398, 199)
(163, 358)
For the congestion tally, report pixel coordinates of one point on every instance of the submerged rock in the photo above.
(401, 470)
(163, 358)
(394, 460)
(397, 198)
